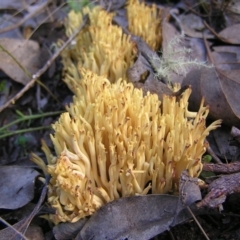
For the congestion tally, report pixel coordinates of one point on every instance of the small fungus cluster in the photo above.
(102, 47)
(114, 142)
(145, 22)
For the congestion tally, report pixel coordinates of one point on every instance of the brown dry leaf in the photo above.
(219, 140)
(221, 92)
(231, 34)
(155, 214)
(16, 186)
(193, 26)
(34, 232)
(235, 132)
(27, 53)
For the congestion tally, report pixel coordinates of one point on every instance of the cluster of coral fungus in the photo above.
(102, 47)
(113, 141)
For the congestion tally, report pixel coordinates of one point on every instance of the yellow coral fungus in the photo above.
(101, 47)
(115, 142)
(145, 22)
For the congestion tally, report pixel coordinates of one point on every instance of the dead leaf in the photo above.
(235, 133)
(231, 34)
(155, 214)
(226, 57)
(219, 141)
(67, 230)
(16, 186)
(12, 4)
(22, 226)
(142, 75)
(221, 93)
(27, 53)
(34, 232)
(6, 20)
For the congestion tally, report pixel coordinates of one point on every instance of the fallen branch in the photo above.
(222, 168)
(219, 189)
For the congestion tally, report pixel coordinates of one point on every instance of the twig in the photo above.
(219, 189)
(28, 73)
(25, 225)
(197, 222)
(45, 67)
(14, 229)
(229, 41)
(213, 155)
(222, 168)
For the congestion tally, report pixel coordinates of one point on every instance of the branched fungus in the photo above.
(115, 142)
(101, 47)
(145, 21)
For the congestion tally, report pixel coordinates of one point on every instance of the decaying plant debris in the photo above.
(160, 51)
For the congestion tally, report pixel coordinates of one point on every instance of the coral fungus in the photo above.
(145, 22)
(101, 47)
(115, 142)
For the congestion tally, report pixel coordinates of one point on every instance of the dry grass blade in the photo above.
(197, 222)
(14, 229)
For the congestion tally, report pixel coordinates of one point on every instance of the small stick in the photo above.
(197, 222)
(213, 155)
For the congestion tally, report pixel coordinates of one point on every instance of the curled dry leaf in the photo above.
(16, 186)
(155, 214)
(231, 34)
(235, 132)
(68, 230)
(220, 90)
(27, 53)
(221, 146)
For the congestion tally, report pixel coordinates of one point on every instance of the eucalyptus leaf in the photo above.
(142, 217)
(16, 186)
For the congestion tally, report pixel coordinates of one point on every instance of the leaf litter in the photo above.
(220, 88)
